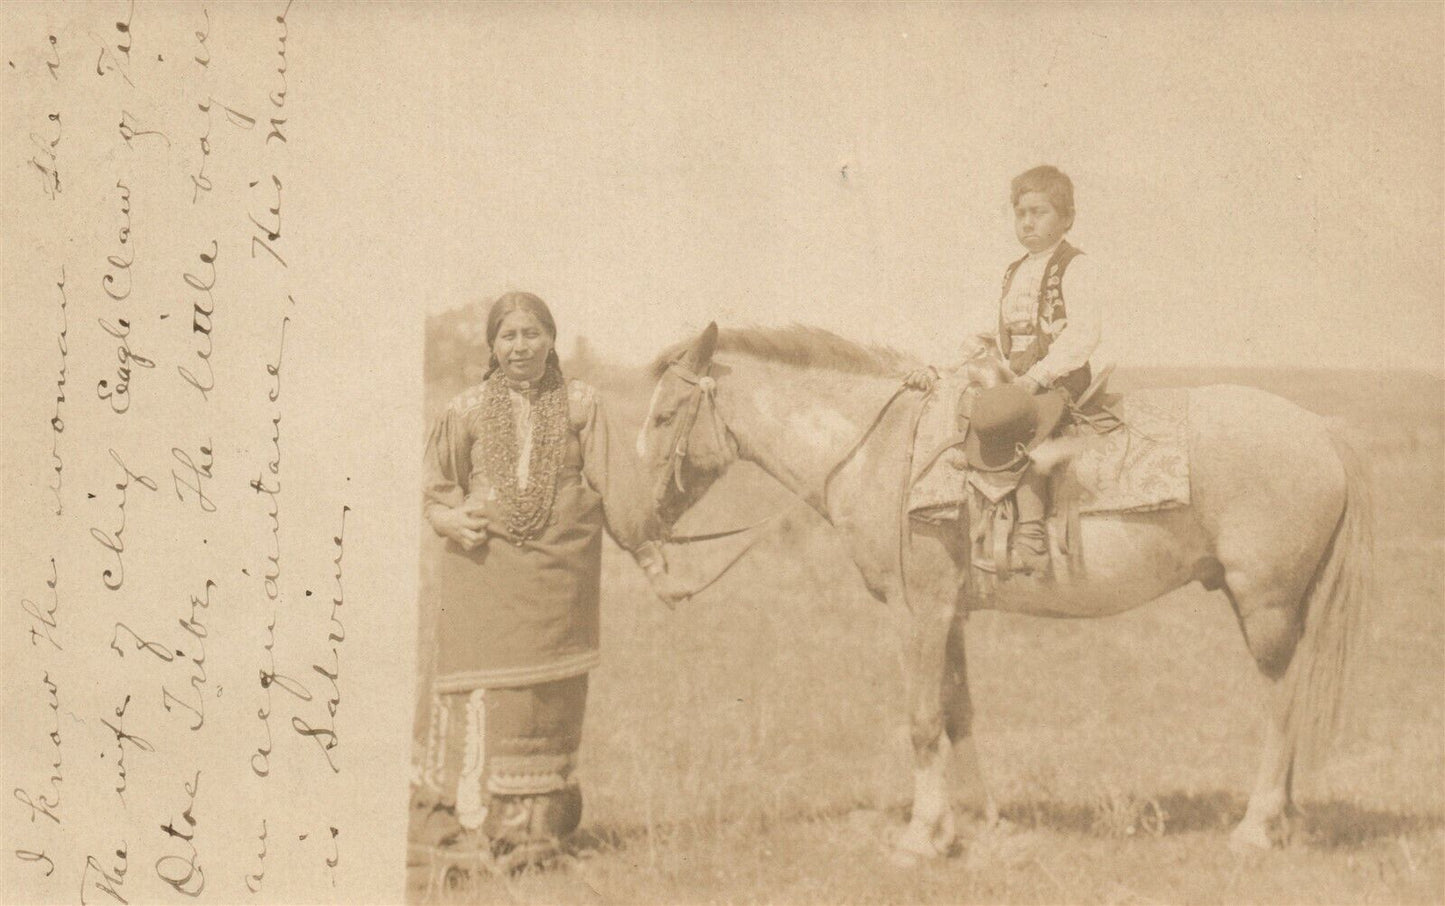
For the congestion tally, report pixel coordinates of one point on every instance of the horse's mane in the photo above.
(801, 345)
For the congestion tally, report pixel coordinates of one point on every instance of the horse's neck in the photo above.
(795, 423)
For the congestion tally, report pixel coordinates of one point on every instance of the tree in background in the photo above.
(456, 346)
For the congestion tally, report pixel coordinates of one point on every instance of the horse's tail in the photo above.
(1320, 670)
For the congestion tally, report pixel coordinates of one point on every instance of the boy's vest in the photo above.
(1042, 329)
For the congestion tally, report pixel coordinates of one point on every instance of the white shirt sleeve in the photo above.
(1085, 295)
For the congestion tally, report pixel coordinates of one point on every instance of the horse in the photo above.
(1279, 520)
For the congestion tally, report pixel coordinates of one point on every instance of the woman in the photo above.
(522, 476)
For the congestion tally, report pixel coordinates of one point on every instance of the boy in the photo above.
(1048, 327)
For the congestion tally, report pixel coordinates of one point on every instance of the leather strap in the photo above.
(1003, 523)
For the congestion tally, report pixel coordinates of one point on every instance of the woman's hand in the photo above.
(464, 524)
(669, 588)
(678, 578)
(921, 379)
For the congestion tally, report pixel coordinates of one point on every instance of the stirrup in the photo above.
(1029, 550)
(1031, 565)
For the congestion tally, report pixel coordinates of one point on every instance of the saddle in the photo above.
(1005, 422)
(1009, 418)
(998, 432)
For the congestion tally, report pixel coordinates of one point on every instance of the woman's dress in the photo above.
(518, 625)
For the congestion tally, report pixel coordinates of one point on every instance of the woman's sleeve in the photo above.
(447, 463)
(611, 468)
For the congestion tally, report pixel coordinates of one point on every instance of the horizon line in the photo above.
(1437, 373)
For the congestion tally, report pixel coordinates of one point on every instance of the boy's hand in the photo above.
(921, 379)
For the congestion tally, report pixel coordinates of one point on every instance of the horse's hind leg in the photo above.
(1269, 487)
(1266, 820)
(1271, 632)
(1266, 577)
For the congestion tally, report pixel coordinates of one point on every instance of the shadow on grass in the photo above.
(1345, 824)
(621, 835)
(1330, 824)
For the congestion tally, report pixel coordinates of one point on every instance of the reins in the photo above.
(858, 445)
(905, 481)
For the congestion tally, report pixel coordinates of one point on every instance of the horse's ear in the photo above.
(700, 355)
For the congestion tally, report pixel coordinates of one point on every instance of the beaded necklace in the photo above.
(527, 508)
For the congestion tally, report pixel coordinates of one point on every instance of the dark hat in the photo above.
(1005, 418)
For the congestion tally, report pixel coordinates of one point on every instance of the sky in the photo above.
(1264, 182)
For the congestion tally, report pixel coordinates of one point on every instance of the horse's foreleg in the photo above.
(932, 602)
(931, 830)
(958, 718)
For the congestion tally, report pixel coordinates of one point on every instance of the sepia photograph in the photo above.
(724, 453)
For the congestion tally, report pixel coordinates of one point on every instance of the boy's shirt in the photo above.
(1085, 295)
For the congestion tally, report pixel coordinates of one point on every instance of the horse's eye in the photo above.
(662, 419)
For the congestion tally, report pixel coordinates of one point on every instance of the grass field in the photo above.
(751, 746)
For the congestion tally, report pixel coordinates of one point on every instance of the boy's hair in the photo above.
(1049, 180)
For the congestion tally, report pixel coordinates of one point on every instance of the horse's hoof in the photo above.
(907, 850)
(1251, 838)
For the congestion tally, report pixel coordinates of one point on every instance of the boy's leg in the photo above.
(1030, 549)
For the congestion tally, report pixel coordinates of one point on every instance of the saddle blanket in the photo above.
(1142, 465)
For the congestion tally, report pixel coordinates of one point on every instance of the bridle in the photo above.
(704, 393)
